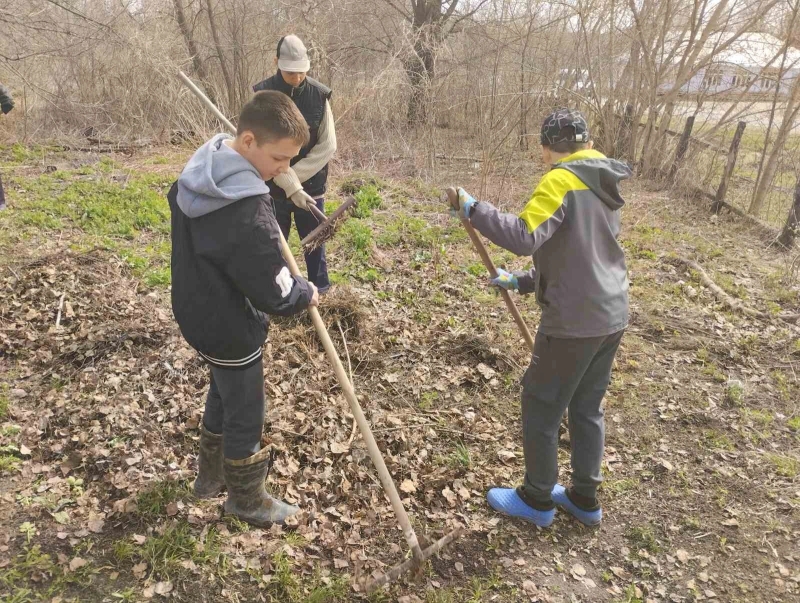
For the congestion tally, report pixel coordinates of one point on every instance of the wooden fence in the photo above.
(719, 197)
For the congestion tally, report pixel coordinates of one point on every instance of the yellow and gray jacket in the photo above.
(570, 227)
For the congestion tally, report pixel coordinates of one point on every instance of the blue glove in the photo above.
(465, 205)
(505, 280)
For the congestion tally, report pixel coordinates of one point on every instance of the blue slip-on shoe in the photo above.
(508, 502)
(589, 518)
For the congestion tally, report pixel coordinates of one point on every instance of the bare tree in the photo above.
(212, 23)
(766, 171)
(431, 21)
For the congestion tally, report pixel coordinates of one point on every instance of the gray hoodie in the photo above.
(570, 227)
(215, 177)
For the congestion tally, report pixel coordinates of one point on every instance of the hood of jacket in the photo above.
(215, 177)
(601, 174)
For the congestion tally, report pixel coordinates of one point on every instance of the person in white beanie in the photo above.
(306, 180)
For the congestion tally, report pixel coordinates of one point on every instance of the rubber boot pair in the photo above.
(247, 496)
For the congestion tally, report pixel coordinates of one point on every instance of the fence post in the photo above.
(683, 146)
(719, 200)
(792, 221)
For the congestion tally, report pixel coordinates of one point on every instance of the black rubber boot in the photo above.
(247, 497)
(210, 474)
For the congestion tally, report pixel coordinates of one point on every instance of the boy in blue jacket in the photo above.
(228, 273)
(570, 227)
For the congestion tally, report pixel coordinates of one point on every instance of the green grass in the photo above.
(716, 440)
(734, 394)
(461, 456)
(785, 466)
(355, 241)
(8, 463)
(428, 399)
(355, 238)
(33, 568)
(477, 269)
(19, 154)
(152, 503)
(713, 371)
(620, 486)
(629, 596)
(163, 553)
(410, 231)
(5, 404)
(129, 595)
(643, 537)
(440, 596)
(726, 282)
(123, 550)
(355, 182)
(368, 198)
(151, 263)
(107, 213)
(99, 207)
(285, 585)
(794, 423)
(783, 383)
(762, 418)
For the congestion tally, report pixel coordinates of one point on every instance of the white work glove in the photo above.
(302, 199)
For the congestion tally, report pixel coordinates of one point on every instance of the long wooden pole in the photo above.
(452, 197)
(344, 381)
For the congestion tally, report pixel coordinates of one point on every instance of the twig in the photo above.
(350, 371)
(774, 552)
(726, 299)
(60, 306)
(700, 536)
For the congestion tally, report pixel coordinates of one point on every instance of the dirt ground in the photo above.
(100, 401)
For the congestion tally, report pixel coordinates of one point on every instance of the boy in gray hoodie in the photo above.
(228, 273)
(570, 227)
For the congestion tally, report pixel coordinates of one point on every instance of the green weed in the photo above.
(461, 456)
(785, 466)
(368, 198)
(4, 403)
(411, 231)
(152, 503)
(643, 537)
(716, 440)
(734, 393)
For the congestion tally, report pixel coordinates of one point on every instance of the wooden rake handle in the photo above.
(349, 393)
(338, 368)
(452, 197)
(318, 213)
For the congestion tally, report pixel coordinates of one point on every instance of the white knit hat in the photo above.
(292, 55)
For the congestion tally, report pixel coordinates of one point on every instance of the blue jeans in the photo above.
(306, 222)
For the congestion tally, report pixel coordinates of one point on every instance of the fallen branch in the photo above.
(60, 307)
(729, 301)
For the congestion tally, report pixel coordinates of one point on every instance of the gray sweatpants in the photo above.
(565, 373)
(235, 408)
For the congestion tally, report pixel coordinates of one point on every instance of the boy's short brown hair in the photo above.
(271, 115)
